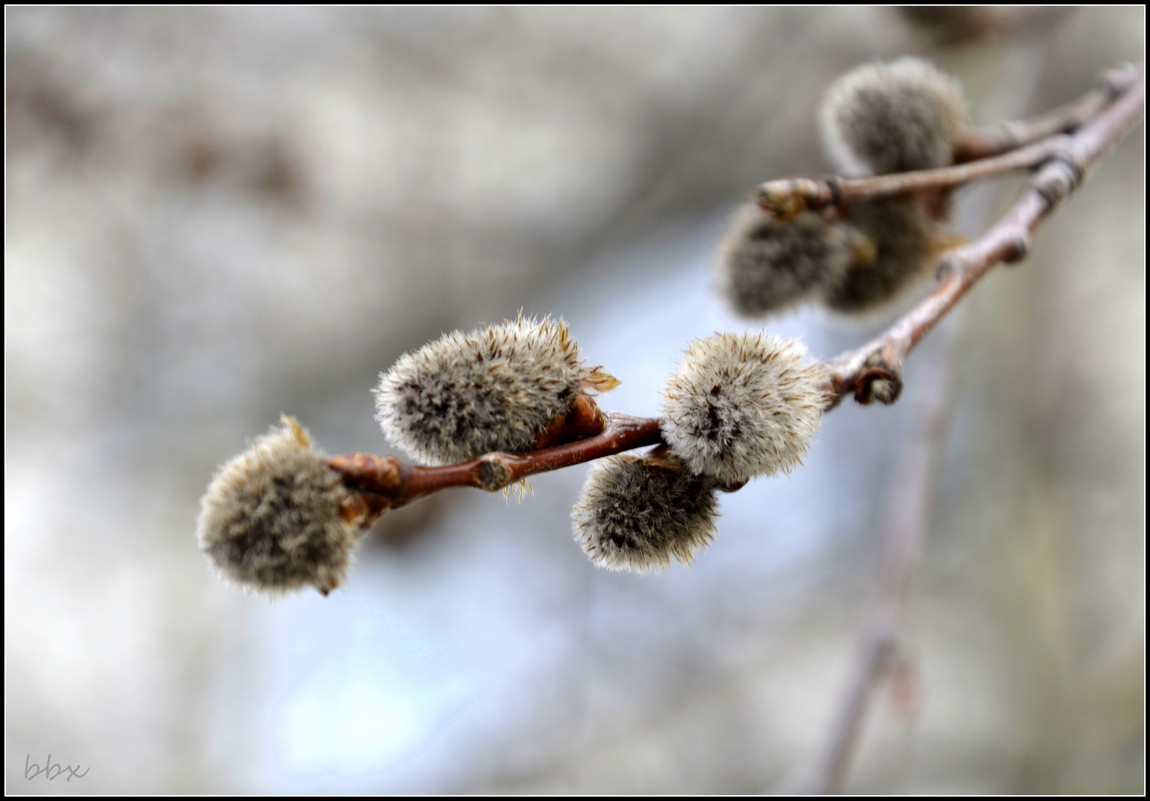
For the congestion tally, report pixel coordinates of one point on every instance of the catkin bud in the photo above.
(742, 405)
(496, 389)
(635, 513)
(271, 518)
(948, 25)
(766, 264)
(905, 240)
(893, 117)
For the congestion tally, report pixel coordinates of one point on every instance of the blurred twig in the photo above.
(905, 516)
(873, 372)
(994, 151)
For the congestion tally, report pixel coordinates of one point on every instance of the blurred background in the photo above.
(215, 215)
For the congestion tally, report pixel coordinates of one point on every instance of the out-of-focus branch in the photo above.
(873, 372)
(995, 140)
(995, 151)
(905, 518)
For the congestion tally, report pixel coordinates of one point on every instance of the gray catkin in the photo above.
(892, 117)
(467, 394)
(904, 240)
(637, 513)
(742, 405)
(765, 264)
(271, 517)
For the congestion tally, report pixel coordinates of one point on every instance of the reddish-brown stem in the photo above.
(391, 483)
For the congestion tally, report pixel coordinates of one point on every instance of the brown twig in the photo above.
(997, 151)
(388, 483)
(995, 140)
(872, 372)
(905, 518)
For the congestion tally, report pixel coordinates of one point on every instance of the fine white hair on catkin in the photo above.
(271, 517)
(637, 513)
(892, 117)
(467, 394)
(765, 264)
(742, 405)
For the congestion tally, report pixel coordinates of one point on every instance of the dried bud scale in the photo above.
(272, 518)
(742, 406)
(892, 117)
(636, 513)
(766, 264)
(905, 241)
(496, 389)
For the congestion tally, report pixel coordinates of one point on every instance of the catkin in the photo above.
(637, 513)
(892, 117)
(271, 517)
(742, 405)
(496, 389)
(765, 264)
(904, 241)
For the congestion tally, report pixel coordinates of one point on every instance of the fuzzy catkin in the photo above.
(892, 117)
(765, 264)
(495, 389)
(637, 513)
(742, 405)
(271, 517)
(904, 240)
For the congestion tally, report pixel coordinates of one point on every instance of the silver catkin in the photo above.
(742, 405)
(637, 513)
(904, 240)
(892, 117)
(467, 394)
(765, 264)
(271, 517)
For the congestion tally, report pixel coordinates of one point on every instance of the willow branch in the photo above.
(998, 139)
(388, 483)
(872, 372)
(1027, 144)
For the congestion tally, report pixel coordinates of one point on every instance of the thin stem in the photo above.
(391, 483)
(1007, 148)
(985, 142)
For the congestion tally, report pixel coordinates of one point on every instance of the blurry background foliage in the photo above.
(215, 215)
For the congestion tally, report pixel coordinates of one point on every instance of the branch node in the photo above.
(789, 197)
(1017, 248)
(946, 265)
(493, 472)
(878, 381)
